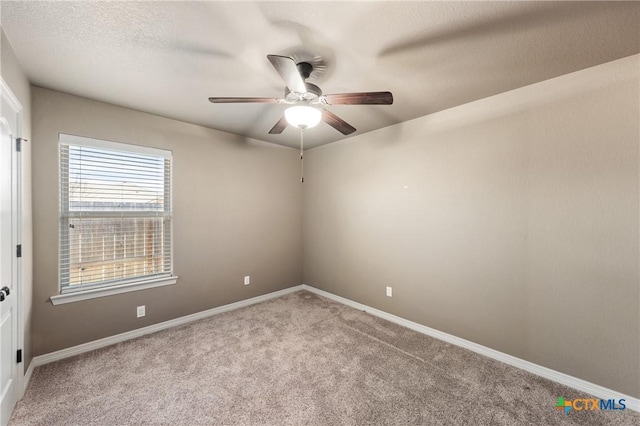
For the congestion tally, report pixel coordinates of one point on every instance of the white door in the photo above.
(8, 258)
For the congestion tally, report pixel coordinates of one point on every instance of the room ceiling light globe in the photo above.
(303, 116)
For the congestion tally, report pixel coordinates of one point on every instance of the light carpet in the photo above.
(297, 360)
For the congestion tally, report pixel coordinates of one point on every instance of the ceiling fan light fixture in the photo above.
(303, 116)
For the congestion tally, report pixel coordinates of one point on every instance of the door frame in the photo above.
(16, 218)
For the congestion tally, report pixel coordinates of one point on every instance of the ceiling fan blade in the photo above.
(337, 123)
(365, 98)
(288, 70)
(223, 100)
(278, 127)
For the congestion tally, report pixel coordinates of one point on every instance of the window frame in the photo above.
(92, 290)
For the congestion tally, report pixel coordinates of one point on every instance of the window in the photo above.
(115, 216)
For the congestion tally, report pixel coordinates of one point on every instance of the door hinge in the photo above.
(19, 144)
(19, 356)
(19, 250)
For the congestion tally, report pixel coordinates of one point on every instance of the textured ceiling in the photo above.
(167, 58)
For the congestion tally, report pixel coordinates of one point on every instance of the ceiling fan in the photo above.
(306, 99)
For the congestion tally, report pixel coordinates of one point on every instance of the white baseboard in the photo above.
(26, 379)
(101, 343)
(556, 376)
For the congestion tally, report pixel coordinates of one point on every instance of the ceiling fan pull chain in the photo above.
(301, 155)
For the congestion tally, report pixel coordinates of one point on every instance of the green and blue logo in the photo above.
(589, 404)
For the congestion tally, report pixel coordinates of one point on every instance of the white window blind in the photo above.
(115, 213)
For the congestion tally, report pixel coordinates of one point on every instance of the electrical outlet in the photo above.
(140, 311)
(389, 292)
(247, 280)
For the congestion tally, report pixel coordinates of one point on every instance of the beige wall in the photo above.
(512, 222)
(15, 78)
(237, 211)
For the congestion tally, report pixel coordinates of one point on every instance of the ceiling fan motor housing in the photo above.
(313, 93)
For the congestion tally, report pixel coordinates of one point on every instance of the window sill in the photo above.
(110, 291)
